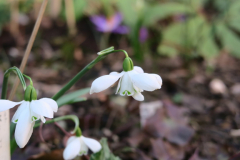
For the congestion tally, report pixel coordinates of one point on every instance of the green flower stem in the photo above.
(4, 96)
(102, 55)
(126, 54)
(82, 72)
(71, 117)
(31, 83)
(5, 80)
(78, 132)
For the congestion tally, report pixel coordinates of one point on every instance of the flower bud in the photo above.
(34, 94)
(78, 132)
(127, 64)
(27, 94)
(30, 94)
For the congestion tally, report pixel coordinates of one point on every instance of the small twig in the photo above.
(55, 8)
(29, 46)
(63, 130)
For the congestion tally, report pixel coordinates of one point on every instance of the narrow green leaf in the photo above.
(104, 153)
(73, 97)
(164, 10)
(129, 10)
(79, 6)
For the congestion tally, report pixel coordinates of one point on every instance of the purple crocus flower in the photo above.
(143, 34)
(111, 24)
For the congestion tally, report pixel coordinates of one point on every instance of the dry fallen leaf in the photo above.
(166, 151)
(174, 130)
(54, 155)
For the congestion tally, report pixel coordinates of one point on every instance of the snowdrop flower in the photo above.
(78, 145)
(132, 81)
(28, 112)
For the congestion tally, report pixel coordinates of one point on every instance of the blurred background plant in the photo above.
(189, 28)
(193, 44)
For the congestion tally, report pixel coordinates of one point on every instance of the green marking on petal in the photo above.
(34, 118)
(16, 120)
(128, 92)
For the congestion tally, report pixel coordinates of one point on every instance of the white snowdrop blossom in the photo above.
(131, 83)
(78, 146)
(26, 115)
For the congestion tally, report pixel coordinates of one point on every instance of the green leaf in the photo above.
(234, 8)
(104, 153)
(73, 97)
(173, 39)
(175, 33)
(229, 39)
(132, 11)
(207, 46)
(166, 50)
(18, 73)
(79, 6)
(235, 23)
(164, 10)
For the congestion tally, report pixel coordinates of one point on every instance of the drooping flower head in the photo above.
(132, 81)
(78, 145)
(28, 112)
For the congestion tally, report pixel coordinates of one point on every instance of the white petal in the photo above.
(34, 116)
(138, 69)
(6, 104)
(41, 108)
(137, 89)
(138, 96)
(84, 148)
(51, 103)
(72, 149)
(145, 81)
(24, 128)
(94, 145)
(159, 79)
(43, 119)
(103, 83)
(72, 138)
(117, 74)
(23, 106)
(126, 87)
(119, 85)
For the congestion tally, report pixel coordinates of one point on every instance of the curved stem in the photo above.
(82, 72)
(65, 132)
(31, 83)
(120, 50)
(5, 80)
(72, 117)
